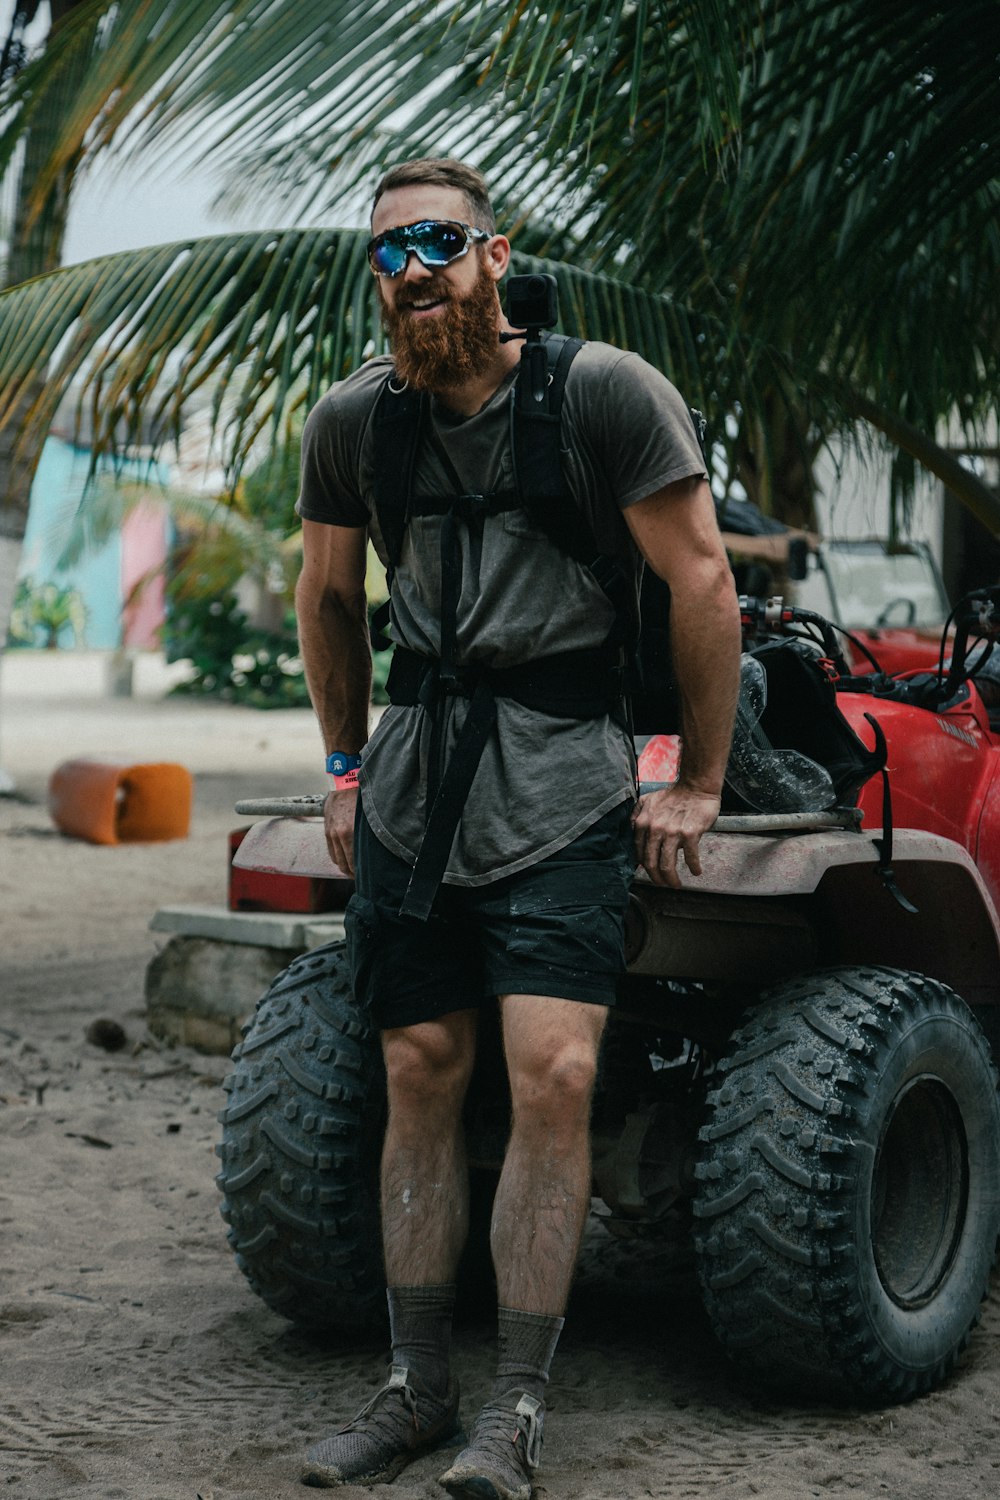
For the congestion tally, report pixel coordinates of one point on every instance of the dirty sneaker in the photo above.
(401, 1421)
(504, 1449)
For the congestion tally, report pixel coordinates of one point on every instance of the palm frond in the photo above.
(243, 78)
(782, 204)
(252, 548)
(264, 323)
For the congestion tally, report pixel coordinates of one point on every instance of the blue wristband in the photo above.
(338, 764)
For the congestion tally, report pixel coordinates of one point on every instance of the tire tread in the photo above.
(299, 1149)
(782, 1149)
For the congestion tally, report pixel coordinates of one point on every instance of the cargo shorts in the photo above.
(556, 928)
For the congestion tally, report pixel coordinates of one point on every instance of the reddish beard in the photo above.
(457, 345)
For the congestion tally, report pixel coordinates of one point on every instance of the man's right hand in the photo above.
(338, 822)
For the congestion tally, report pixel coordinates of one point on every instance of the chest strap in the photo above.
(455, 509)
(568, 684)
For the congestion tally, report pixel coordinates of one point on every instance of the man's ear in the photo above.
(498, 255)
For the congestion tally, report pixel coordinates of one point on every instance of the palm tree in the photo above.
(38, 198)
(226, 78)
(790, 205)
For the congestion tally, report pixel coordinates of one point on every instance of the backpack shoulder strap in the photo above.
(536, 445)
(400, 414)
(536, 448)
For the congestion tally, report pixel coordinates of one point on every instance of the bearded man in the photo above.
(493, 833)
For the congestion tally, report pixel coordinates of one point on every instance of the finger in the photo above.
(661, 861)
(333, 849)
(668, 868)
(341, 847)
(692, 855)
(640, 839)
(335, 845)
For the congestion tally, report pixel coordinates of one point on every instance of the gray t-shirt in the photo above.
(625, 433)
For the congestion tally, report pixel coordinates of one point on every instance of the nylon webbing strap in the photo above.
(572, 684)
(446, 809)
(399, 419)
(535, 444)
(534, 441)
(581, 684)
(451, 585)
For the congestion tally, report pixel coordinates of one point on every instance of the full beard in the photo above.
(457, 345)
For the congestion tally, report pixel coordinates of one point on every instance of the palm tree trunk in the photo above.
(775, 466)
(36, 242)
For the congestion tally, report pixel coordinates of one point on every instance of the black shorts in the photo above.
(556, 928)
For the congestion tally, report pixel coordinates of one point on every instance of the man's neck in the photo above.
(472, 395)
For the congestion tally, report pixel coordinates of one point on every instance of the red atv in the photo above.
(797, 1088)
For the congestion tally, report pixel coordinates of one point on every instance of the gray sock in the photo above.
(420, 1323)
(526, 1343)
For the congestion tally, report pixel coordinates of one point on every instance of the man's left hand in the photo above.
(670, 823)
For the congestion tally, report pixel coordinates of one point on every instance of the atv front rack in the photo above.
(803, 822)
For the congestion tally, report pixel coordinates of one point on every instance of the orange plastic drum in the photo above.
(109, 804)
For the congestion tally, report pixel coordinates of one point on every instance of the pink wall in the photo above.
(144, 550)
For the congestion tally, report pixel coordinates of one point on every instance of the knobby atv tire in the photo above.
(302, 1132)
(849, 1200)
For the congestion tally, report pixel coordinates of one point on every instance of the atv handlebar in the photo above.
(770, 617)
(976, 620)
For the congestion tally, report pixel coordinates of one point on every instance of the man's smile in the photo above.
(420, 307)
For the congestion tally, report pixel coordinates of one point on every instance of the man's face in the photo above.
(443, 322)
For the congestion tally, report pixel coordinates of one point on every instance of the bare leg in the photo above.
(538, 1216)
(543, 1195)
(425, 1189)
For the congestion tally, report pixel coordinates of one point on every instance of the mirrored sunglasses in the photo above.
(435, 242)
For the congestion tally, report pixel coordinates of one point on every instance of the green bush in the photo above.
(239, 664)
(45, 612)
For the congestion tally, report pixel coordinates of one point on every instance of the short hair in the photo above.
(443, 171)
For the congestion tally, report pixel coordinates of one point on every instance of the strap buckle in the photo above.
(438, 682)
(472, 507)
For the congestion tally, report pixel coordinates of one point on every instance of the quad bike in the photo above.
(797, 1086)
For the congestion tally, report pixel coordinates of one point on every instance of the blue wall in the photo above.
(55, 495)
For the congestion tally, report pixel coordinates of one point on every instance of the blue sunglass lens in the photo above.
(440, 243)
(435, 245)
(388, 258)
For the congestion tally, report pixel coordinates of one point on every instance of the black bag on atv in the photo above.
(793, 750)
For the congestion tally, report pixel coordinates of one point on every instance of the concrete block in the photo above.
(259, 929)
(206, 980)
(199, 991)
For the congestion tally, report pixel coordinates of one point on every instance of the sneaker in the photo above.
(504, 1449)
(400, 1422)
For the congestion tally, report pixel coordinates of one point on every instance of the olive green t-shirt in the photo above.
(625, 433)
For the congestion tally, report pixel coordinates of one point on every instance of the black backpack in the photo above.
(540, 489)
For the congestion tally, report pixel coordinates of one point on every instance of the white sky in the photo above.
(124, 210)
(128, 208)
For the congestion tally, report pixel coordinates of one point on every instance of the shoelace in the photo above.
(387, 1421)
(493, 1430)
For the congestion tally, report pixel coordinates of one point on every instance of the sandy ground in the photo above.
(135, 1363)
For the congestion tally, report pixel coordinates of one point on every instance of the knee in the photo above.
(555, 1087)
(426, 1064)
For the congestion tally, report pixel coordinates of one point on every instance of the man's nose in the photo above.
(415, 270)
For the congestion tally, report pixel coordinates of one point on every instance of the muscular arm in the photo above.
(676, 531)
(332, 616)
